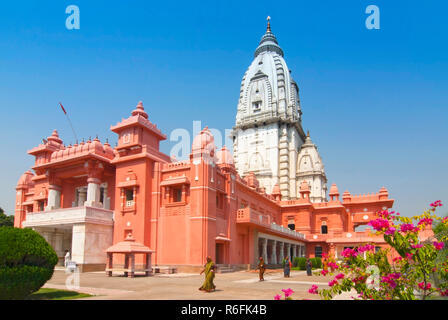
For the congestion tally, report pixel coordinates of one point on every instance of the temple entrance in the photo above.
(59, 238)
(219, 253)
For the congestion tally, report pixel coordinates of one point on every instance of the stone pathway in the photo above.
(184, 286)
(91, 291)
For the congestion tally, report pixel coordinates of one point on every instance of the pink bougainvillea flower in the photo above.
(390, 231)
(438, 245)
(277, 297)
(436, 204)
(397, 259)
(333, 265)
(288, 292)
(347, 253)
(422, 286)
(367, 247)
(425, 221)
(324, 272)
(386, 214)
(332, 283)
(313, 289)
(340, 276)
(380, 224)
(416, 246)
(409, 256)
(406, 227)
(390, 280)
(444, 293)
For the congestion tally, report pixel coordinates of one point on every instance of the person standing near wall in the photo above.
(309, 267)
(262, 268)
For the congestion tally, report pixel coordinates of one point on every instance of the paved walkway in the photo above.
(242, 285)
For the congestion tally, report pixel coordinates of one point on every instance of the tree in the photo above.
(26, 262)
(5, 220)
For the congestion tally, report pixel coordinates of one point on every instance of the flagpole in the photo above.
(69, 121)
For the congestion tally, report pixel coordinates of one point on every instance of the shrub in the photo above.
(300, 262)
(316, 263)
(26, 262)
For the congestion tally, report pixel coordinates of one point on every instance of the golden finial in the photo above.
(269, 24)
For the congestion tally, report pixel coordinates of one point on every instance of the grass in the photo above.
(56, 294)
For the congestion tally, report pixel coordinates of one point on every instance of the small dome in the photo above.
(204, 141)
(276, 189)
(26, 179)
(140, 111)
(55, 137)
(224, 156)
(304, 186)
(334, 190)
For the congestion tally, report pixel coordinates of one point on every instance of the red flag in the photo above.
(63, 108)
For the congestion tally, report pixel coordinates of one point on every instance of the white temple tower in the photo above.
(268, 133)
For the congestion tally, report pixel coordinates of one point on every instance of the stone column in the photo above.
(54, 198)
(288, 250)
(264, 249)
(297, 254)
(109, 264)
(282, 249)
(93, 192)
(82, 196)
(274, 252)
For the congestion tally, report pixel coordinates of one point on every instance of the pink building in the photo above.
(268, 200)
(87, 197)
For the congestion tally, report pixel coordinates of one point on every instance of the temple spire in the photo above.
(268, 29)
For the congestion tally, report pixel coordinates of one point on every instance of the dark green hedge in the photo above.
(26, 262)
(300, 262)
(316, 263)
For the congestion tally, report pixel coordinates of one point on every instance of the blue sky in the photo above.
(375, 101)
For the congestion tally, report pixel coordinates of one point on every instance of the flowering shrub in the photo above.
(409, 276)
(288, 292)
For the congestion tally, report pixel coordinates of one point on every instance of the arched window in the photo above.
(324, 228)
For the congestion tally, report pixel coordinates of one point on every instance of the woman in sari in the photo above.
(287, 267)
(209, 270)
(309, 267)
(262, 268)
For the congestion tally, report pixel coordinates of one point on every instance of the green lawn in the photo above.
(56, 294)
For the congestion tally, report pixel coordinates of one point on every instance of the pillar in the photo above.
(126, 264)
(148, 264)
(93, 192)
(282, 250)
(132, 273)
(109, 264)
(82, 196)
(288, 250)
(54, 198)
(274, 252)
(264, 249)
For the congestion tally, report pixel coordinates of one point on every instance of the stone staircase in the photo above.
(225, 268)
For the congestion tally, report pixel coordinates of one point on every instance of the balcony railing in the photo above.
(68, 216)
(248, 215)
